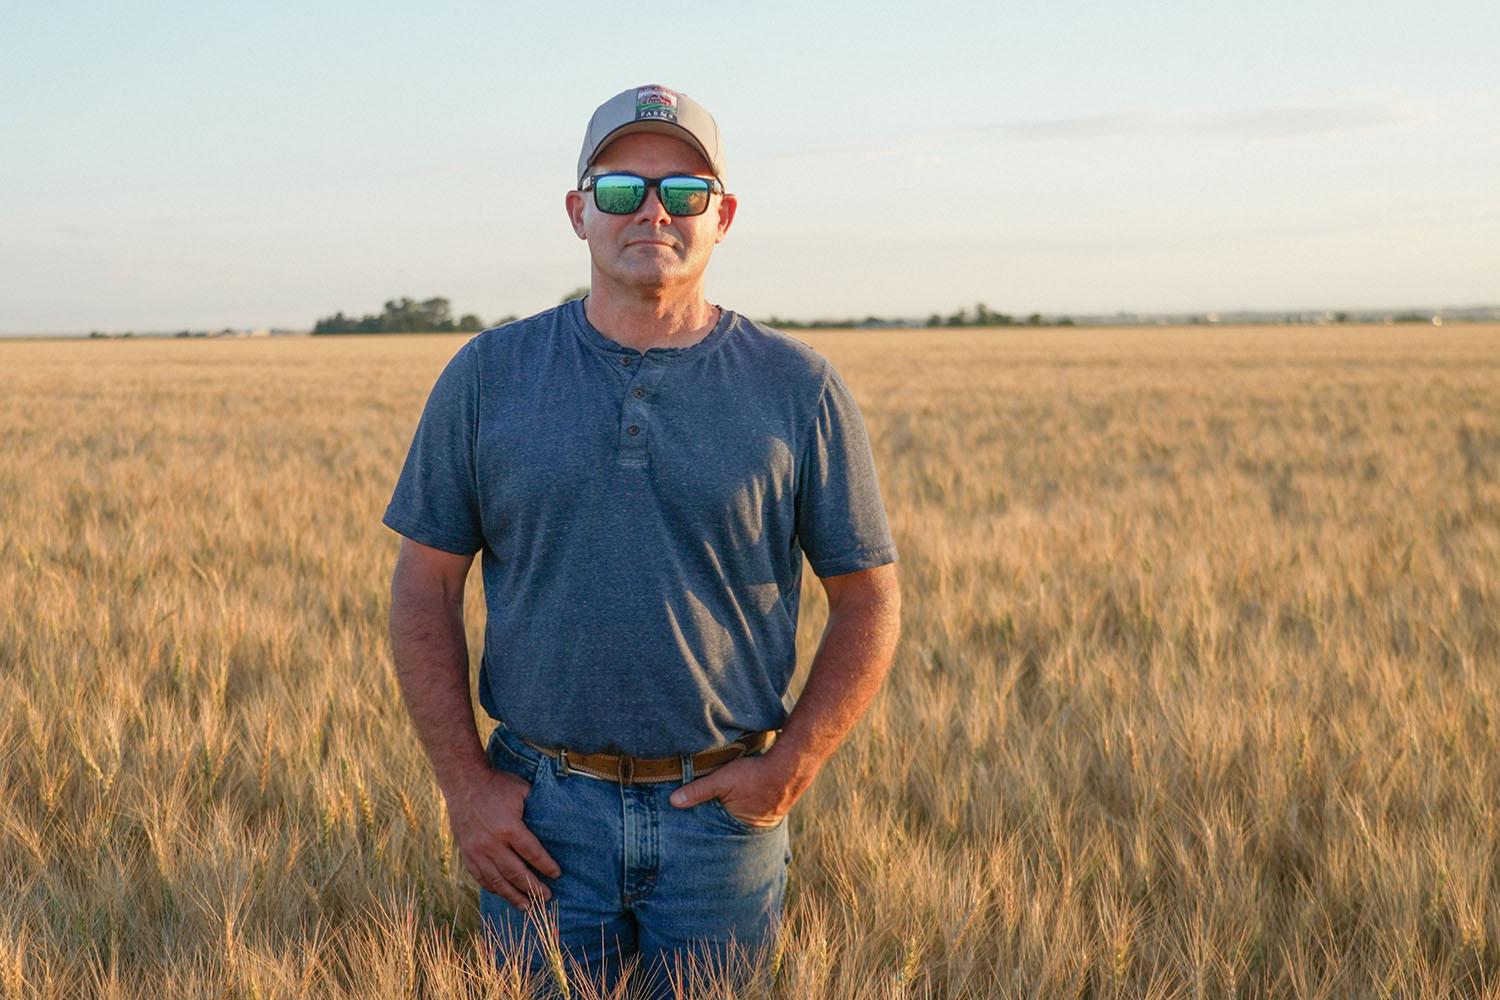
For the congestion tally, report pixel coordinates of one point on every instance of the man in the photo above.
(643, 472)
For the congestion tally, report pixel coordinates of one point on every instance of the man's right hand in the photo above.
(495, 843)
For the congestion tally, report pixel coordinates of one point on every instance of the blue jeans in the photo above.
(641, 879)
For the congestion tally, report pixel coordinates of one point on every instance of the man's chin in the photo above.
(651, 277)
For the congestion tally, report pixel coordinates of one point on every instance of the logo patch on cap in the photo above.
(655, 102)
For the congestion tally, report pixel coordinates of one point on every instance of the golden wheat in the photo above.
(1197, 696)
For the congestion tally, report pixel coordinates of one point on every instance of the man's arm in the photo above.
(431, 652)
(854, 655)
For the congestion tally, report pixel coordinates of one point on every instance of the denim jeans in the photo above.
(641, 879)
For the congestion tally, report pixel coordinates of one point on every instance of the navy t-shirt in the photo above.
(642, 518)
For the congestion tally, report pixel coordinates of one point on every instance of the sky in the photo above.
(204, 165)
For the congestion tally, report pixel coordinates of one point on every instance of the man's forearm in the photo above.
(432, 665)
(852, 661)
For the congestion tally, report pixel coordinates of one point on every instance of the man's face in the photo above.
(649, 249)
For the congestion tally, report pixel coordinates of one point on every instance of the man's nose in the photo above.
(652, 210)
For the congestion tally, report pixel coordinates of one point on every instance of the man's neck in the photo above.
(644, 322)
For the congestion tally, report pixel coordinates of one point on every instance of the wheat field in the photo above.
(1198, 693)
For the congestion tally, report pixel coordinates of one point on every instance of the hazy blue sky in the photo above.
(170, 165)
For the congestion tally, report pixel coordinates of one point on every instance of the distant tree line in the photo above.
(433, 315)
(984, 316)
(405, 315)
(981, 316)
(830, 324)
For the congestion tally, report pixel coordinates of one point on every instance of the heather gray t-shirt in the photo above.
(642, 518)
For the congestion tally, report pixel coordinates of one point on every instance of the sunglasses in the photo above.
(680, 194)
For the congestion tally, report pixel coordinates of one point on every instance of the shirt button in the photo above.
(625, 361)
(632, 430)
(639, 392)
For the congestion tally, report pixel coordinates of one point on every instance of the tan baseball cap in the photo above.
(652, 108)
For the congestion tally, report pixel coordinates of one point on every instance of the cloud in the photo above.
(1276, 122)
(1285, 121)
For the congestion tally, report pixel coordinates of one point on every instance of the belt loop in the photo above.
(687, 768)
(627, 769)
(562, 769)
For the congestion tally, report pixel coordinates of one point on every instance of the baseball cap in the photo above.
(653, 108)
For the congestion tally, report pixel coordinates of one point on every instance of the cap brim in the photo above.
(656, 128)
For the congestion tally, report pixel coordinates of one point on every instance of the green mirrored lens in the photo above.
(684, 195)
(618, 194)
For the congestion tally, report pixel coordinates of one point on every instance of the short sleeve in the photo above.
(841, 522)
(436, 501)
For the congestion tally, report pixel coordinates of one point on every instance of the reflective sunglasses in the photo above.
(680, 194)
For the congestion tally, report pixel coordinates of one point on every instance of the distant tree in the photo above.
(1035, 319)
(403, 315)
(934, 320)
(576, 293)
(337, 323)
(406, 316)
(1066, 321)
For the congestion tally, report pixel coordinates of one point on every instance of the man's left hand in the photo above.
(754, 790)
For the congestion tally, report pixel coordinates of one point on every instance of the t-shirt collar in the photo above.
(598, 341)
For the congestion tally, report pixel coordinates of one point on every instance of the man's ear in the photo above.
(727, 204)
(573, 203)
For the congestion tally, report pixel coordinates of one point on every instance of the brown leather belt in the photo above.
(628, 770)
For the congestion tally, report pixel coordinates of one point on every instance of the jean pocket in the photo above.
(737, 824)
(508, 753)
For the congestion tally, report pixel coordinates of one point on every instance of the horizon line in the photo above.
(1185, 316)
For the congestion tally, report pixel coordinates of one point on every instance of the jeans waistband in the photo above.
(628, 770)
